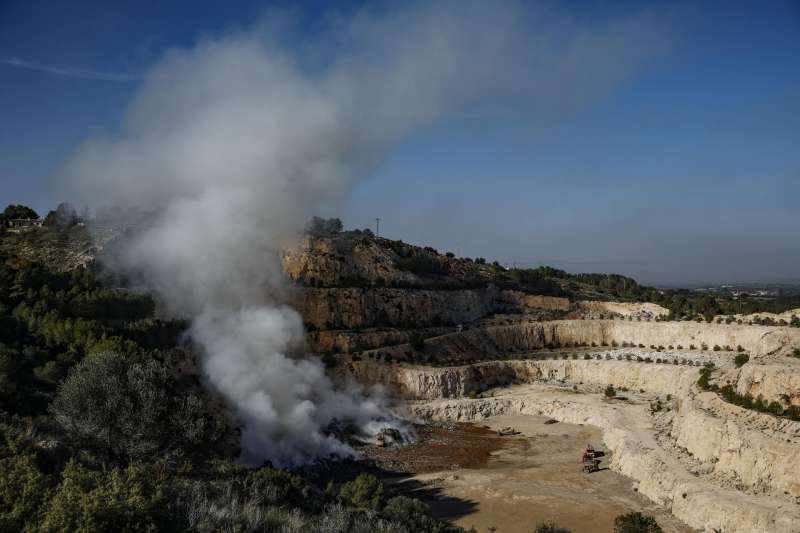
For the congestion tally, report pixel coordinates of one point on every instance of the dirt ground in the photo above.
(471, 476)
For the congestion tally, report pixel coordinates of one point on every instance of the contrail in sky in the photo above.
(70, 72)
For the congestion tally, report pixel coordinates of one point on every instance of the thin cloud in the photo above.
(70, 72)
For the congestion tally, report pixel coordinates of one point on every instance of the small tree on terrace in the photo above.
(610, 391)
(324, 226)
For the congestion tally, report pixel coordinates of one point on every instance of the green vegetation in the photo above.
(64, 216)
(365, 492)
(610, 391)
(747, 401)
(324, 226)
(103, 429)
(636, 523)
(13, 212)
(741, 360)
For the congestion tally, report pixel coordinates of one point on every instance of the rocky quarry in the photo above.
(461, 340)
(453, 345)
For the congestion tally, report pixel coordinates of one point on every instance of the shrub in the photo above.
(412, 514)
(716, 348)
(775, 408)
(610, 392)
(131, 409)
(130, 499)
(23, 489)
(364, 492)
(741, 359)
(636, 523)
(587, 356)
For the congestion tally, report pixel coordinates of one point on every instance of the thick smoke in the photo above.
(242, 138)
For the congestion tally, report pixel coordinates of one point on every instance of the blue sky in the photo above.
(685, 171)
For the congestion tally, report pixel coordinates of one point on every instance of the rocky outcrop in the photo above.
(517, 301)
(353, 308)
(423, 382)
(339, 260)
(625, 309)
(775, 382)
(490, 341)
(760, 456)
(347, 341)
(786, 316)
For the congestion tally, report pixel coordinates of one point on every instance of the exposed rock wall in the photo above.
(626, 309)
(521, 301)
(758, 340)
(786, 316)
(772, 381)
(352, 308)
(333, 262)
(422, 382)
(754, 456)
(345, 341)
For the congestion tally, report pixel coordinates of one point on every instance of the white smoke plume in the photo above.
(240, 139)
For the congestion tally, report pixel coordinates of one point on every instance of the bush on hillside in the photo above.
(636, 523)
(364, 492)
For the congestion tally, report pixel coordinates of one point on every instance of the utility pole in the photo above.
(377, 227)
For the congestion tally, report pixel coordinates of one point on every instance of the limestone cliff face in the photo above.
(772, 381)
(334, 262)
(751, 450)
(518, 301)
(759, 341)
(626, 309)
(347, 341)
(786, 316)
(352, 308)
(422, 382)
